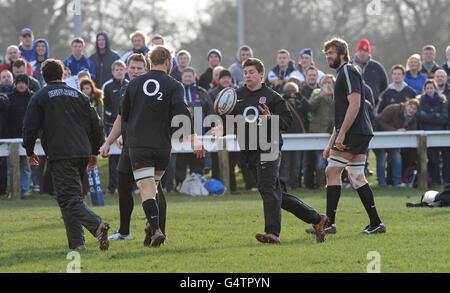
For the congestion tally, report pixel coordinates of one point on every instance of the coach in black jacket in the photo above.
(72, 134)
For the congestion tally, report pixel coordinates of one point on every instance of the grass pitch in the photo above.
(215, 234)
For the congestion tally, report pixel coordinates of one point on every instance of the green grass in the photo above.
(216, 234)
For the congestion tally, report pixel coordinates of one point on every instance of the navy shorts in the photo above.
(147, 158)
(356, 144)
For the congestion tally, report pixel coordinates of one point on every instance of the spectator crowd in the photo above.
(417, 98)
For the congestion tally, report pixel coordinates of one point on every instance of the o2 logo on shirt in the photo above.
(252, 117)
(155, 91)
(255, 115)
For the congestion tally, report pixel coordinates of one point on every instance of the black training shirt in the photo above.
(150, 102)
(247, 107)
(349, 81)
(68, 124)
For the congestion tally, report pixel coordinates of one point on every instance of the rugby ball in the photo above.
(225, 101)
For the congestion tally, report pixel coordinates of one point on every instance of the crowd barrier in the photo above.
(421, 140)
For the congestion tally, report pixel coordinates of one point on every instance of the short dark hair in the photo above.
(340, 45)
(254, 62)
(430, 81)
(78, 40)
(52, 69)
(137, 57)
(398, 67)
(188, 70)
(19, 63)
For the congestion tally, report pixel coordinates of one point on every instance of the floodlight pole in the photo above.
(241, 36)
(77, 19)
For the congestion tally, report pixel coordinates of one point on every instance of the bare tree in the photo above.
(403, 27)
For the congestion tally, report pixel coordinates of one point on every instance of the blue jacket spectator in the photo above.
(77, 61)
(103, 59)
(414, 77)
(42, 54)
(416, 82)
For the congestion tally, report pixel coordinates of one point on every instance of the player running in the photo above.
(255, 101)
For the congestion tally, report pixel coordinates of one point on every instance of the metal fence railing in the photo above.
(421, 140)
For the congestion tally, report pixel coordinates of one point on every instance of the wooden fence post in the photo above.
(224, 163)
(422, 161)
(14, 162)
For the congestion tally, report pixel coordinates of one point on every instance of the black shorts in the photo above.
(146, 158)
(357, 144)
(124, 165)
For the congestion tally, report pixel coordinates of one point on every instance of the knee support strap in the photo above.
(335, 161)
(148, 173)
(356, 174)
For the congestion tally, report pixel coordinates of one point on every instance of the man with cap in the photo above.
(26, 45)
(373, 72)
(214, 59)
(305, 61)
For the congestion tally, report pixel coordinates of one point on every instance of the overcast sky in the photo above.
(185, 8)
